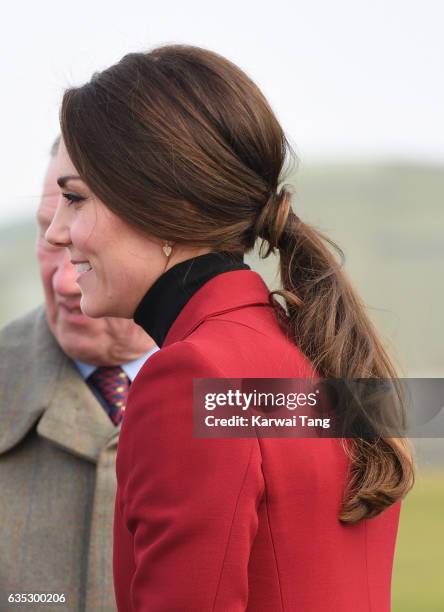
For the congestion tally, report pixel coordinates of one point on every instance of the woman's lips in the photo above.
(82, 268)
(81, 275)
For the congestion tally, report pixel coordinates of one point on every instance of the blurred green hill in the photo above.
(388, 219)
(19, 272)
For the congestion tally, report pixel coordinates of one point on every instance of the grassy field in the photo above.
(418, 573)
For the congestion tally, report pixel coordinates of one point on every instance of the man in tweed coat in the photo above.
(58, 439)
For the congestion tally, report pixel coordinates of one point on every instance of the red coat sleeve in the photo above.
(187, 507)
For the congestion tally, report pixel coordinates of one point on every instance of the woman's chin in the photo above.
(96, 306)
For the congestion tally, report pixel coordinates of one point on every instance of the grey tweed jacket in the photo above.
(57, 476)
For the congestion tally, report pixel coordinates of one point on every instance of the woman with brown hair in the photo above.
(172, 164)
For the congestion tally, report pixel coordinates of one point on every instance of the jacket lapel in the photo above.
(39, 383)
(74, 419)
(30, 363)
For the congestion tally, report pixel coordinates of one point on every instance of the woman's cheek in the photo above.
(82, 238)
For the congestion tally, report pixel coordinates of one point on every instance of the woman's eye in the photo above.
(72, 198)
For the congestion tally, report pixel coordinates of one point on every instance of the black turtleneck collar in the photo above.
(165, 299)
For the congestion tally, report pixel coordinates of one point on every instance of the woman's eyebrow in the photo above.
(62, 180)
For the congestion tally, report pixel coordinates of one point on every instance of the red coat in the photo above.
(235, 524)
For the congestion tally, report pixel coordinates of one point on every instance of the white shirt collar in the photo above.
(131, 368)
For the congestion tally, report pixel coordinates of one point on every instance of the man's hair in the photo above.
(55, 146)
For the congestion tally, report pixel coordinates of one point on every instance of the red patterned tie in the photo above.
(112, 383)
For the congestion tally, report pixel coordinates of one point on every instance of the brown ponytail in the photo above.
(180, 143)
(329, 324)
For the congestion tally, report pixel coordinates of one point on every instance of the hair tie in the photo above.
(273, 219)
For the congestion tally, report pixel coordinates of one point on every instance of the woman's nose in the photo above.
(57, 233)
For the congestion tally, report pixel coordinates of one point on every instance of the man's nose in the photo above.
(64, 278)
(57, 233)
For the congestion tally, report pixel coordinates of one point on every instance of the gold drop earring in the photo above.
(167, 248)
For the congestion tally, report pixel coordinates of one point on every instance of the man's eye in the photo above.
(72, 198)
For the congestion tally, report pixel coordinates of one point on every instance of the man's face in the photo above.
(106, 341)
